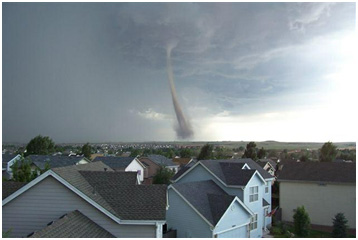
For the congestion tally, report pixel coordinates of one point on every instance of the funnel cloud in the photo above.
(183, 129)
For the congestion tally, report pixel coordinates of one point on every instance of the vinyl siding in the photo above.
(49, 200)
(255, 207)
(235, 216)
(322, 202)
(184, 219)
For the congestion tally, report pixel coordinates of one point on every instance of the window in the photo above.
(267, 188)
(254, 194)
(253, 222)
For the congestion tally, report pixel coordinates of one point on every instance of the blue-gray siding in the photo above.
(49, 200)
(184, 219)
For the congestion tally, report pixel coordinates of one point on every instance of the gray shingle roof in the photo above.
(318, 172)
(161, 160)
(73, 225)
(207, 197)
(129, 201)
(115, 162)
(231, 172)
(262, 162)
(9, 187)
(180, 172)
(54, 161)
(117, 192)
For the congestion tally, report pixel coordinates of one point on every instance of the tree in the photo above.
(206, 152)
(40, 145)
(261, 153)
(163, 175)
(304, 158)
(250, 151)
(339, 226)
(328, 152)
(87, 150)
(21, 171)
(301, 222)
(186, 153)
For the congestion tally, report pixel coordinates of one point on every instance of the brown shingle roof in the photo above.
(72, 225)
(318, 172)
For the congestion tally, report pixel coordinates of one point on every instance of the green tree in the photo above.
(304, 158)
(40, 145)
(301, 222)
(328, 152)
(87, 150)
(250, 151)
(206, 152)
(261, 154)
(186, 153)
(339, 226)
(135, 152)
(163, 176)
(21, 171)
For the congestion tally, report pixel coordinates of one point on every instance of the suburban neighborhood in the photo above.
(152, 196)
(179, 119)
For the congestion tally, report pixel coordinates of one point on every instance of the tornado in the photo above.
(183, 129)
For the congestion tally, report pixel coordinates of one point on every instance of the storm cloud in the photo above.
(98, 71)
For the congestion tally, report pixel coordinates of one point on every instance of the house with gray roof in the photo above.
(41, 161)
(164, 161)
(7, 161)
(268, 164)
(72, 225)
(126, 164)
(112, 200)
(240, 179)
(323, 188)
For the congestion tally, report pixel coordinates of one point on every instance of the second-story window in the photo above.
(267, 187)
(254, 194)
(253, 222)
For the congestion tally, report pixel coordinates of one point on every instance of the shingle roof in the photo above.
(318, 172)
(129, 201)
(206, 197)
(231, 172)
(73, 225)
(54, 161)
(181, 161)
(180, 172)
(115, 162)
(9, 187)
(117, 192)
(161, 160)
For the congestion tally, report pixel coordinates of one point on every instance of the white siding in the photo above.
(134, 166)
(321, 202)
(49, 200)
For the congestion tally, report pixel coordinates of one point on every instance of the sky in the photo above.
(98, 72)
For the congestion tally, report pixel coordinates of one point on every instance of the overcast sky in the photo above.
(95, 72)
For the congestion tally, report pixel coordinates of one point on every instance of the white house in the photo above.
(7, 161)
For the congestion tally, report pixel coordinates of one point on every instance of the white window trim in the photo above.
(267, 187)
(254, 217)
(253, 194)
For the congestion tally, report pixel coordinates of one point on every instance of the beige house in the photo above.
(323, 188)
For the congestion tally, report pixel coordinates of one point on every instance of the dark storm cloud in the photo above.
(92, 71)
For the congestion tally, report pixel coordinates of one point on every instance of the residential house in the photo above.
(89, 196)
(269, 165)
(220, 198)
(126, 164)
(164, 161)
(181, 161)
(39, 162)
(150, 170)
(7, 161)
(323, 188)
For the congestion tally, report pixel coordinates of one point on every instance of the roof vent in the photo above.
(105, 169)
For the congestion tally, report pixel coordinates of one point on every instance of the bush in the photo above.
(339, 226)
(301, 222)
